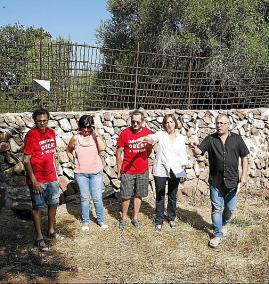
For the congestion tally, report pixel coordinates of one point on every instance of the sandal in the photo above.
(214, 242)
(41, 245)
(52, 236)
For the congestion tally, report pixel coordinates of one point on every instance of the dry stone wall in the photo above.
(253, 125)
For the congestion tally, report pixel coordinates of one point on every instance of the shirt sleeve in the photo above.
(28, 149)
(204, 146)
(156, 136)
(184, 159)
(243, 149)
(120, 142)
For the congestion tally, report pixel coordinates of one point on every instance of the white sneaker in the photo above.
(85, 228)
(103, 226)
(214, 242)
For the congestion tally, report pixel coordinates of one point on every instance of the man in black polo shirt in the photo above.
(224, 149)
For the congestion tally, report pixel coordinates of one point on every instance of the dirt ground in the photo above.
(139, 255)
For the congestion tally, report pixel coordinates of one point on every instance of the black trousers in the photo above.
(160, 183)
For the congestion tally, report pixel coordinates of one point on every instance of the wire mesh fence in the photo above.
(89, 78)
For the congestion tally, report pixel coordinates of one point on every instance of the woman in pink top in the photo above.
(88, 169)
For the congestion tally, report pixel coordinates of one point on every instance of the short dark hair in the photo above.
(85, 121)
(137, 112)
(40, 111)
(166, 118)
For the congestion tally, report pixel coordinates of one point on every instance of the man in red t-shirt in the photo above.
(133, 166)
(39, 162)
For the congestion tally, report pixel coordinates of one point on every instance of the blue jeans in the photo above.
(91, 187)
(221, 197)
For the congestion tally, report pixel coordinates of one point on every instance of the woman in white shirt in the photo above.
(169, 165)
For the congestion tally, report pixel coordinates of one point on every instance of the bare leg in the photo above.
(125, 206)
(137, 204)
(36, 212)
(51, 219)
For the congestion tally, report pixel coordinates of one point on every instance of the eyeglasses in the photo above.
(221, 123)
(135, 122)
(42, 121)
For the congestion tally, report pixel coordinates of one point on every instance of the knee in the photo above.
(84, 198)
(216, 208)
(97, 200)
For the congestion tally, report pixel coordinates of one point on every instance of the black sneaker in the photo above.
(136, 223)
(123, 224)
(41, 245)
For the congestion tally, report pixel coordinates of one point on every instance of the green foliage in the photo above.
(27, 53)
(236, 32)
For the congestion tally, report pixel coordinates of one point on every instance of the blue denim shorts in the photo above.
(49, 194)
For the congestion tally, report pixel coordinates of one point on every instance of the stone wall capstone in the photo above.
(253, 125)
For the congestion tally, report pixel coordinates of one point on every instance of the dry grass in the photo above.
(141, 255)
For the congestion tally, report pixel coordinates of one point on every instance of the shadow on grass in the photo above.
(194, 219)
(20, 261)
(113, 206)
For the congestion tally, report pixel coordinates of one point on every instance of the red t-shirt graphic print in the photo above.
(41, 147)
(135, 159)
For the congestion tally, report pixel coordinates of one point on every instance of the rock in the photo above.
(4, 136)
(65, 125)
(190, 185)
(187, 191)
(19, 168)
(116, 183)
(14, 146)
(111, 161)
(63, 182)
(119, 122)
(69, 173)
(73, 124)
(60, 144)
(108, 116)
(63, 158)
(203, 187)
(110, 172)
(4, 147)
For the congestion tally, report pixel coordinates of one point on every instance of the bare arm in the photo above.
(119, 159)
(101, 145)
(29, 170)
(244, 163)
(145, 138)
(70, 147)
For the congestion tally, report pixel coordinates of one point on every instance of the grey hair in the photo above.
(223, 115)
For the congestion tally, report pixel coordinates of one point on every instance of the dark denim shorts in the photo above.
(49, 194)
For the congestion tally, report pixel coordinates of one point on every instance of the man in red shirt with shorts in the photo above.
(133, 166)
(39, 162)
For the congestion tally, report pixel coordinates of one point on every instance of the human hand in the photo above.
(37, 187)
(194, 141)
(243, 181)
(194, 144)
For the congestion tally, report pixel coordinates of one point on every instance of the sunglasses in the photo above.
(42, 121)
(135, 122)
